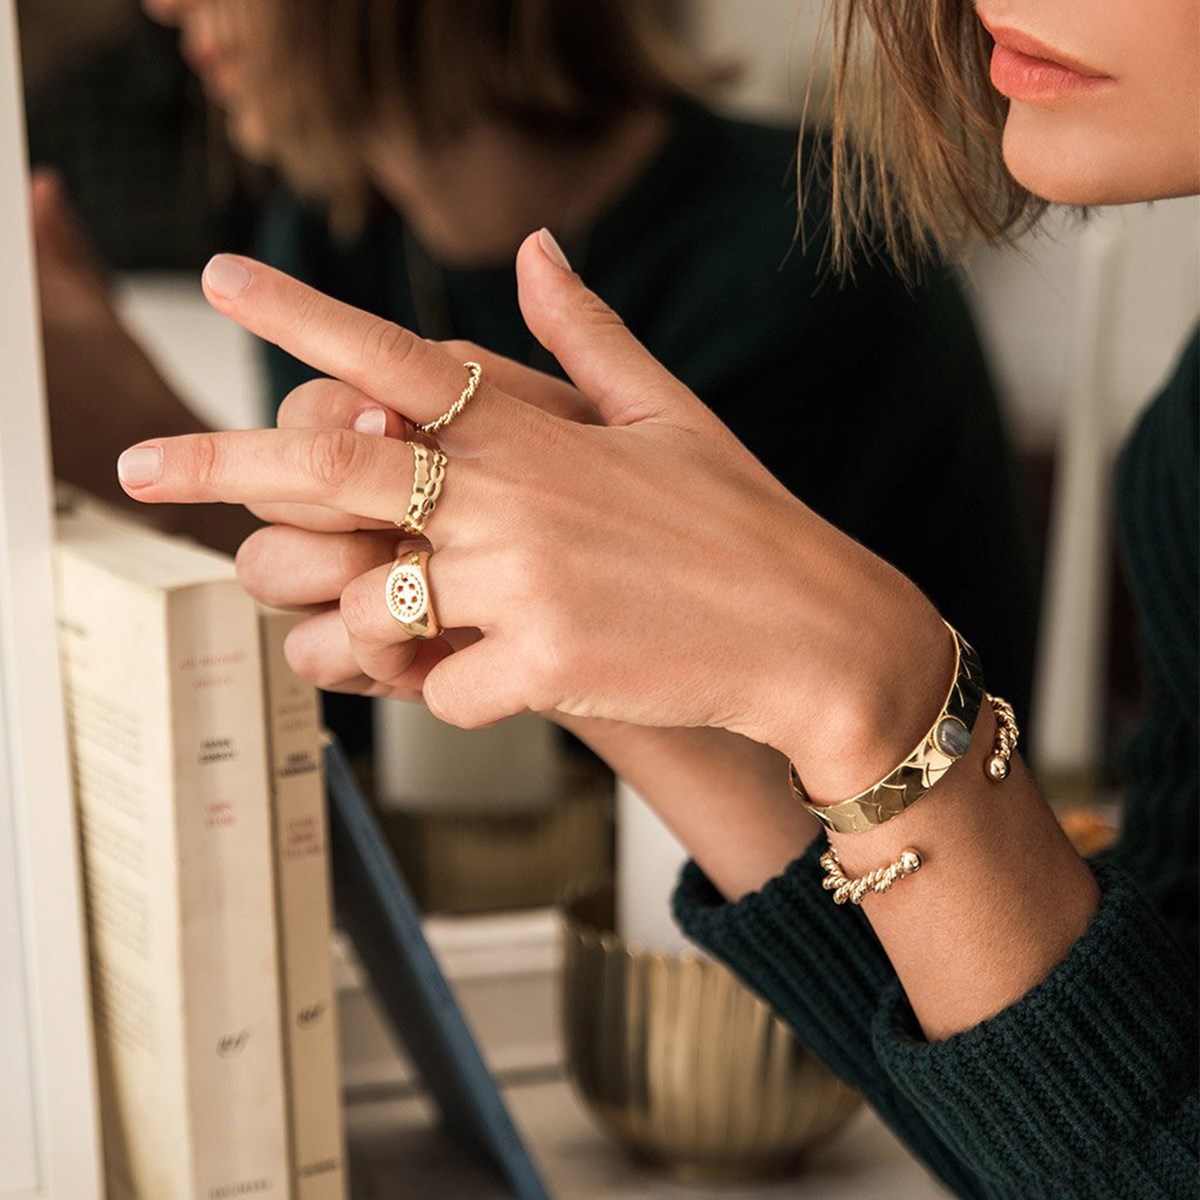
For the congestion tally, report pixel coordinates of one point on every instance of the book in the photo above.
(163, 678)
(310, 1026)
(376, 910)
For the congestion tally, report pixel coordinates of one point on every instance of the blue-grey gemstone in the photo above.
(952, 737)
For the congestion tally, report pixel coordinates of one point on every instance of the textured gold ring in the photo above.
(409, 599)
(429, 473)
(475, 372)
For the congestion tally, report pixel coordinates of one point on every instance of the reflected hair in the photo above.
(330, 74)
(913, 163)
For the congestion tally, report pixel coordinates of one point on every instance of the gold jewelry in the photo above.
(880, 880)
(997, 766)
(429, 473)
(946, 742)
(464, 398)
(408, 596)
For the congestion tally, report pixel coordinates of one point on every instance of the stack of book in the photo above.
(197, 761)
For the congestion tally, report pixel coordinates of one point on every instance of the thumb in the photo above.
(608, 364)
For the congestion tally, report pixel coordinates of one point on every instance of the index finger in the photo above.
(389, 363)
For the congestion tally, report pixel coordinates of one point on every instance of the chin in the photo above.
(1068, 161)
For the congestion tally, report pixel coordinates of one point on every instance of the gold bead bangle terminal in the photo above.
(853, 891)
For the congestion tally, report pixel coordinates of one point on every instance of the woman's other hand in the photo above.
(103, 392)
(647, 569)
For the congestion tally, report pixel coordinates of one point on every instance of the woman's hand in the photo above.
(726, 797)
(646, 570)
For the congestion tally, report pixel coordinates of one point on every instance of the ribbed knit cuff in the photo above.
(1082, 1069)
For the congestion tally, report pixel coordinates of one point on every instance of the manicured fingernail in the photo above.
(225, 276)
(140, 465)
(372, 421)
(552, 250)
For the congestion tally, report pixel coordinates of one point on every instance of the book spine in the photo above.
(229, 941)
(112, 645)
(303, 887)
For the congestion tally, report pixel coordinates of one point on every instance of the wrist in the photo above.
(884, 694)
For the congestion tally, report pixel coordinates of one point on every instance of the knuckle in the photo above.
(460, 348)
(334, 457)
(350, 559)
(205, 464)
(443, 701)
(548, 654)
(524, 577)
(308, 310)
(599, 313)
(249, 561)
(304, 658)
(386, 344)
(457, 699)
(305, 402)
(359, 608)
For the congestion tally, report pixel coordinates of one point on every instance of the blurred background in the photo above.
(1079, 327)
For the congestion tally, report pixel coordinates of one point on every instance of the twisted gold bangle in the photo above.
(847, 890)
(998, 762)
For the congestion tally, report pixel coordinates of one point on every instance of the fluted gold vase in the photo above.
(681, 1063)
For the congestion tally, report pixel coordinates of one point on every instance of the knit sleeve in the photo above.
(1085, 1087)
(824, 972)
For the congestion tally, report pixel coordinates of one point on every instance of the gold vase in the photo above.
(681, 1063)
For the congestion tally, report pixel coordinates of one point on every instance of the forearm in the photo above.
(725, 797)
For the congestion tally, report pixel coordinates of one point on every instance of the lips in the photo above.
(1024, 68)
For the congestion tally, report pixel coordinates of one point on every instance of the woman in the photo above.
(1025, 1020)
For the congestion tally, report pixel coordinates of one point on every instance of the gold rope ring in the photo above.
(429, 473)
(464, 398)
(408, 596)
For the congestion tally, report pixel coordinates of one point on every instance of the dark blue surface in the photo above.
(376, 910)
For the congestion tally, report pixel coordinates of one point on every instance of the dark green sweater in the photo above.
(1086, 1088)
(870, 402)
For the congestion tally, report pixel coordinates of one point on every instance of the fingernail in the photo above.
(225, 276)
(552, 250)
(372, 421)
(139, 466)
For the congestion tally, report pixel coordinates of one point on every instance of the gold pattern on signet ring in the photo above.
(408, 596)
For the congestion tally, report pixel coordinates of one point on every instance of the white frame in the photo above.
(37, 822)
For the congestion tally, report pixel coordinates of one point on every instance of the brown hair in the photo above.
(913, 163)
(329, 73)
